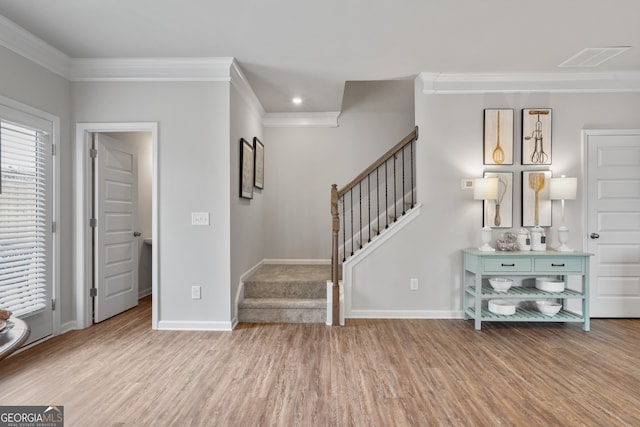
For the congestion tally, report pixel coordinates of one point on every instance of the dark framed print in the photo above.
(499, 213)
(246, 169)
(536, 136)
(536, 204)
(258, 164)
(498, 136)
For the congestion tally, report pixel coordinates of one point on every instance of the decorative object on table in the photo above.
(538, 239)
(246, 169)
(501, 284)
(550, 285)
(485, 189)
(536, 205)
(498, 136)
(5, 314)
(499, 306)
(536, 136)
(524, 240)
(500, 213)
(258, 164)
(507, 242)
(562, 189)
(548, 308)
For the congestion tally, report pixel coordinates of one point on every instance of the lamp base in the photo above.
(486, 248)
(563, 238)
(564, 248)
(486, 238)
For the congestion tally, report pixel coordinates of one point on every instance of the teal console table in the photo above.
(479, 266)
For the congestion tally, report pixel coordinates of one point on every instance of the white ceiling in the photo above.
(310, 48)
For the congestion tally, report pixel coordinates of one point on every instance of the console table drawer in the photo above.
(561, 265)
(507, 265)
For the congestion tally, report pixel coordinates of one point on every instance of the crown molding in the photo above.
(467, 83)
(22, 42)
(150, 69)
(240, 82)
(327, 119)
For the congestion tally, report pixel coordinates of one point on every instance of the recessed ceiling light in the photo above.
(594, 56)
(297, 100)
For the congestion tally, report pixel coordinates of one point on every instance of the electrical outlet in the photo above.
(195, 292)
(199, 218)
(413, 285)
(466, 184)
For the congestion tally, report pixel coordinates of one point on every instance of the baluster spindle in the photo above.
(386, 194)
(395, 190)
(403, 190)
(413, 183)
(378, 199)
(344, 230)
(369, 205)
(352, 236)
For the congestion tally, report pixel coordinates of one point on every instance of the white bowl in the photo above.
(500, 306)
(548, 308)
(501, 284)
(549, 285)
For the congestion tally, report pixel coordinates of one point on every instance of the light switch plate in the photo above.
(199, 218)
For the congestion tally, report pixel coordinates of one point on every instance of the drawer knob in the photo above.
(557, 265)
(508, 265)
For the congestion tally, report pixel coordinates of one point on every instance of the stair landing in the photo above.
(285, 293)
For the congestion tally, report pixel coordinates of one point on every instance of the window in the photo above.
(25, 219)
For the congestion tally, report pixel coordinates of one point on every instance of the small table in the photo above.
(13, 339)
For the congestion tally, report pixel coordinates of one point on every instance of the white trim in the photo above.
(81, 217)
(68, 326)
(297, 261)
(150, 69)
(327, 119)
(406, 314)
(240, 82)
(466, 83)
(240, 291)
(349, 265)
(25, 44)
(177, 325)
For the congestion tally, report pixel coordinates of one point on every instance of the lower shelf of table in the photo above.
(525, 315)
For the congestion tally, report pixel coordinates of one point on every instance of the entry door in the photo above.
(116, 241)
(613, 222)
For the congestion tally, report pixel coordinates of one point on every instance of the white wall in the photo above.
(247, 215)
(32, 85)
(450, 148)
(193, 155)
(303, 163)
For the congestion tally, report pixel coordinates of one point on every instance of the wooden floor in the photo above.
(368, 373)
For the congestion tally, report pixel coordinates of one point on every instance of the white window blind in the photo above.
(24, 224)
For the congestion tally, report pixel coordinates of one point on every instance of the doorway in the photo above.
(612, 219)
(143, 248)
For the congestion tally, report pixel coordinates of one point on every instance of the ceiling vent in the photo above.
(594, 56)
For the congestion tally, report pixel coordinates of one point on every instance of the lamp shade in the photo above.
(563, 188)
(485, 188)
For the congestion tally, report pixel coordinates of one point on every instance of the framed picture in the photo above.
(258, 165)
(536, 136)
(498, 137)
(536, 205)
(499, 213)
(246, 169)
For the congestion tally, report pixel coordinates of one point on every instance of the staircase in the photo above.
(284, 293)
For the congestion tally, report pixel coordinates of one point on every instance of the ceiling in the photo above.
(310, 48)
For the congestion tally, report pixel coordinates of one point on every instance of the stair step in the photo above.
(283, 310)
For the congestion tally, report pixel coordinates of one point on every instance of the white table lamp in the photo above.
(562, 189)
(485, 189)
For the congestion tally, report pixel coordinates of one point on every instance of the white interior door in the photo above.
(613, 222)
(116, 245)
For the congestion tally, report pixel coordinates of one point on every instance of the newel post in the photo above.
(335, 278)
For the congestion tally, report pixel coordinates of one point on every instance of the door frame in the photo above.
(82, 204)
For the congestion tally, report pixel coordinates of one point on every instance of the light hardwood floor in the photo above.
(368, 373)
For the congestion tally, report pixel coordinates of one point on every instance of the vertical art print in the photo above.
(536, 136)
(536, 204)
(258, 179)
(499, 213)
(246, 169)
(498, 137)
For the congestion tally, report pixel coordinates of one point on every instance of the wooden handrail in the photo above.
(386, 156)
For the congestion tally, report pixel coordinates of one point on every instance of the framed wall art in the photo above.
(536, 136)
(499, 213)
(246, 169)
(536, 205)
(498, 137)
(258, 165)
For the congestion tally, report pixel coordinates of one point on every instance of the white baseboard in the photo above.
(406, 314)
(144, 293)
(297, 261)
(68, 326)
(177, 325)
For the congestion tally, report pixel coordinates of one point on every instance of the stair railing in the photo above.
(379, 184)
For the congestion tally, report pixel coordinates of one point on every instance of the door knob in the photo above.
(137, 234)
(595, 236)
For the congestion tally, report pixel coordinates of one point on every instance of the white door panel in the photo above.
(116, 246)
(613, 221)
